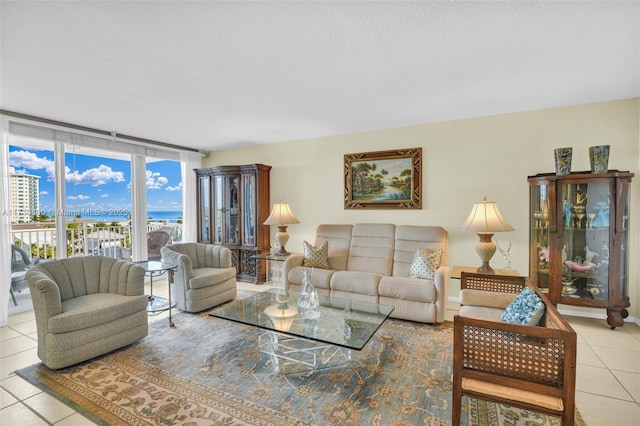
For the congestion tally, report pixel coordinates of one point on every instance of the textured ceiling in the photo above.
(213, 75)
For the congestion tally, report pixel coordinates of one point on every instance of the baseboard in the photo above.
(574, 313)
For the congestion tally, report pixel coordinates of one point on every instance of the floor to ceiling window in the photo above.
(79, 187)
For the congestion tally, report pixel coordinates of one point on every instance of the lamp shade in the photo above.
(486, 217)
(281, 215)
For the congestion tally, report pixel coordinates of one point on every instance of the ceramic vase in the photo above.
(599, 158)
(563, 160)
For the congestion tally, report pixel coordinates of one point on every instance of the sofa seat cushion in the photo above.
(206, 277)
(413, 289)
(513, 394)
(489, 299)
(481, 312)
(95, 309)
(320, 278)
(364, 283)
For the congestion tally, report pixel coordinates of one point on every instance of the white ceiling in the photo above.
(219, 74)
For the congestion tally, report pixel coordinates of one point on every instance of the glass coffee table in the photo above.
(315, 338)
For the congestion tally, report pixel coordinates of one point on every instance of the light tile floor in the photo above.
(608, 373)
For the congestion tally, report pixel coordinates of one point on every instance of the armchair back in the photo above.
(81, 276)
(201, 255)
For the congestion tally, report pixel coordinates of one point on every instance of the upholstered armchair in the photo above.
(86, 307)
(204, 278)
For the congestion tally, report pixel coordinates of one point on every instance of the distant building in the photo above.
(25, 199)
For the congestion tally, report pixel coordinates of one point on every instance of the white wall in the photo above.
(463, 161)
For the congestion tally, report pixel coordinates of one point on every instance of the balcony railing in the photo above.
(85, 239)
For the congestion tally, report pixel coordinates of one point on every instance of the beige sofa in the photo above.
(371, 263)
(85, 307)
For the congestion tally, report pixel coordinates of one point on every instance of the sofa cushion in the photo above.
(425, 264)
(319, 278)
(526, 309)
(206, 277)
(316, 257)
(512, 394)
(372, 246)
(405, 288)
(95, 309)
(484, 298)
(481, 312)
(365, 283)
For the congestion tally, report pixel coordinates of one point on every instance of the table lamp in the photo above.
(281, 216)
(485, 219)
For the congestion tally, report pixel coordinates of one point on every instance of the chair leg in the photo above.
(15, 303)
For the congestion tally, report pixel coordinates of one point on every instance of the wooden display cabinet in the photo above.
(233, 203)
(579, 239)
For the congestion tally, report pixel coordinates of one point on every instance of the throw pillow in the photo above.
(526, 309)
(316, 257)
(425, 264)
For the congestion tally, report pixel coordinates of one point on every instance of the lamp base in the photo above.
(282, 237)
(485, 248)
(485, 269)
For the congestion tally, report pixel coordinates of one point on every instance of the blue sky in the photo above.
(99, 183)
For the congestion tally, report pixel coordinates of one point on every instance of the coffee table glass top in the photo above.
(338, 321)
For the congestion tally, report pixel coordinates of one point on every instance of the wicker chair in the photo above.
(530, 367)
(155, 241)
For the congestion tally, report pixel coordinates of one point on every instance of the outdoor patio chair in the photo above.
(155, 241)
(20, 263)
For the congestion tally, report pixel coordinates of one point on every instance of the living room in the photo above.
(464, 158)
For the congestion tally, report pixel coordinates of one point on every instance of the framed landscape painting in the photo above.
(383, 179)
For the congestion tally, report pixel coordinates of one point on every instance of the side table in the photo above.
(457, 271)
(275, 268)
(157, 304)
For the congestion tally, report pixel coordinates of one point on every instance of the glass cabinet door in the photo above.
(249, 203)
(232, 232)
(585, 239)
(205, 209)
(218, 209)
(539, 235)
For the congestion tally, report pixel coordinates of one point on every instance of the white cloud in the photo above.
(44, 192)
(174, 188)
(94, 177)
(155, 180)
(104, 196)
(30, 160)
(78, 197)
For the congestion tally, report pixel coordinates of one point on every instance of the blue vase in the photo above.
(602, 217)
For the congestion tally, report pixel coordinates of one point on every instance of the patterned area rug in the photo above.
(208, 371)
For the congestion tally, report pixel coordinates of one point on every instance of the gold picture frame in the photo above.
(383, 179)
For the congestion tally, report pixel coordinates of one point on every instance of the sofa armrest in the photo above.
(536, 354)
(185, 265)
(133, 278)
(441, 283)
(45, 295)
(293, 260)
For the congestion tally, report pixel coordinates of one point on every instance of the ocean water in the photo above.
(119, 216)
